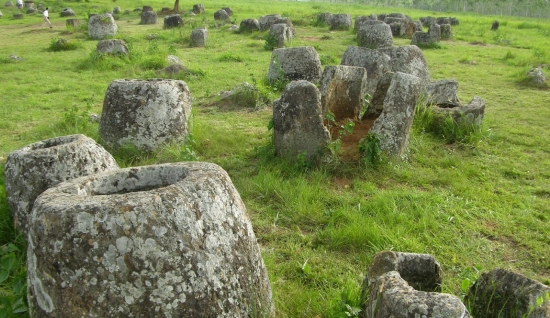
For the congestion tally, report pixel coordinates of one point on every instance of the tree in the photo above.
(177, 6)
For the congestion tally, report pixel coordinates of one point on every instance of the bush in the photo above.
(59, 44)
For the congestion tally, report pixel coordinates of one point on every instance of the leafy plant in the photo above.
(370, 150)
(60, 44)
(12, 274)
(271, 42)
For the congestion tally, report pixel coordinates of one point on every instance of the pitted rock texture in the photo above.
(376, 105)
(420, 271)
(72, 23)
(341, 21)
(536, 77)
(198, 8)
(361, 20)
(446, 31)
(31, 170)
(112, 47)
(288, 22)
(343, 90)
(376, 62)
(502, 293)
(170, 240)
(173, 21)
(391, 296)
(147, 8)
(298, 122)
(375, 35)
(221, 15)
(442, 93)
(249, 25)
(409, 59)
(145, 113)
(432, 36)
(267, 21)
(68, 12)
(470, 114)
(101, 26)
(117, 10)
(281, 33)
(228, 10)
(149, 17)
(393, 126)
(323, 18)
(198, 37)
(296, 63)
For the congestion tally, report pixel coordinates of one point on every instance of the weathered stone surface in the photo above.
(502, 293)
(249, 25)
(112, 47)
(397, 15)
(341, 21)
(495, 25)
(117, 10)
(198, 37)
(72, 23)
(36, 167)
(375, 36)
(172, 69)
(433, 36)
(170, 240)
(198, 8)
(221, 15)
(536, 77)
(420, 271)
(267, 21)
(298, 122)
(228, 10)
(427, 21)
(446, 31)
(288, 23)
(145, 113)
(443, 20)
(297, 63)
(393, 126)
(17, 16)
(147, 8)
(173, 21)
(281, 33)
(470, 114)
(442, 93)
(362, 20)
(454, 21)
(397, 25)
(343, 90)
(31, 10)
(376, 105)
(67, 12)
(409, 59)
(8, 4)
(391, 296)
(418, 26)
(323, 18)
(149, 17)
(172, 59)
(375, 62)
(101, 26)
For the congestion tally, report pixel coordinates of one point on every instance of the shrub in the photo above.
(60, 44)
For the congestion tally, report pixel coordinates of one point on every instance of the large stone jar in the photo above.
(36, 167)
(171, 240)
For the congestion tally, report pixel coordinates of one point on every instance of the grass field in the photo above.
(474, 206)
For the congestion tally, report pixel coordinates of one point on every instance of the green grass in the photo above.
(473, 204)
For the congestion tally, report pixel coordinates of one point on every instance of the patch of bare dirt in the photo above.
(350, 151)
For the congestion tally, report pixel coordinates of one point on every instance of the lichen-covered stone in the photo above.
(68, 12)
(340, 21)
(145, 113)
(228, 10)
(112, 47)
(443, 20)
(72, 23)
(198, 37)
(446, 31)
(173, 21)
(376, 62)
(363, 20)
(36, 167)
(147, 8)
(288, 22)
(376, 105)
(343, 90)
(420, 271)
(431, 37)
(198, 8)
(470, 114)
(536, 77)
(296, 63)
(281, 33)
(409, 59)
(298, 122)
(149, 17)
(375, 35)
(391, 296)
(267, 21)
(221, 15)
(101, 26)
(502, 293)
(442, 93)
(397, 25)
(117, 10)
(170, 240)
(393, 126)
(323, 18)
(249, 25)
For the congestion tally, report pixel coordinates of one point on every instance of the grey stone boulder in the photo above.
(198, 8)
(469, 114)
(171, 240)
(343, 90)
(536, 77)
(221, 15)
(31, 170)
(149, 17)
(376, 105)
(173, 21)
(288, 22)
(145, 113)
(393, 126)
(198, 37)
(147, 8)
(376, 62)
(117, 10)
(17, 16)
(228, 10)
(172, 70)
(375, 36)
(31, 10)
(418, 26)
(454, 21)
(298, 127)
(8, 4)
(365, 19)
(249, 25)
(409, 59)
(432, 36)
(112, 47)
(443, 20)
(502, 293)
(281, 33)
(72, 23)
(296, 63)
(172, 59)
(397, 25)
(442, 93)
(446, 31)
(420, 271)
(341, 21)
(101, 26)
(391, 296)
(267, 21)
(67, 12)
(427, 21)
(323, 18)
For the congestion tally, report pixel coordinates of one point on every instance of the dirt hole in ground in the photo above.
(349, 151)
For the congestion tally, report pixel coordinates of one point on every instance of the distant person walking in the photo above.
(19, 4)
(46, 18)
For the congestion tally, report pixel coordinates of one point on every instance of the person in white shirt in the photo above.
(46, 18)
(19, 4)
